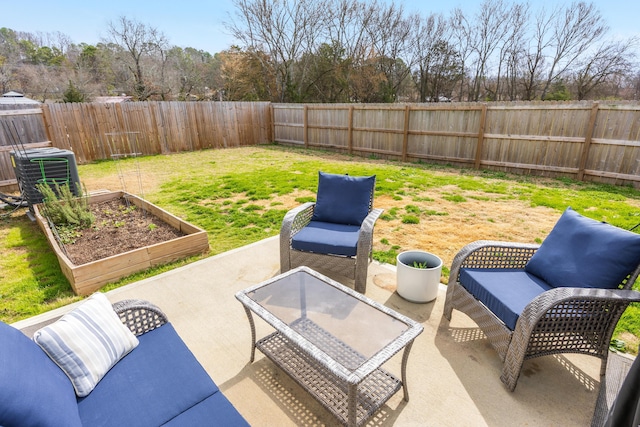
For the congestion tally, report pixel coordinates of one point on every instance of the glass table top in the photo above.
(344, 327)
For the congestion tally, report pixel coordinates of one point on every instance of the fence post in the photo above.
(587, 141)
(46, 124)
(405, 137)
(483, 119)
(350, 131)
(306, 126)
(272, 123)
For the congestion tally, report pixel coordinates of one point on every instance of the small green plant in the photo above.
(118, 224)
(62, 207)
(410, 219)
(128, 209)
(68, 234)
(455, 198)
(417, 264)
(412, 209)
(253, 208)
(388, 256)
(152, 227)
(618, 345)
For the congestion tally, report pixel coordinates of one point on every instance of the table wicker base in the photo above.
(330, 391)
(324, 341)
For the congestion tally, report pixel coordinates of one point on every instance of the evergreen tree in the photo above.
(73, 94)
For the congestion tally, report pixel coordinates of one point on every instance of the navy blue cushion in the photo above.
(505, 292)
(153, 384)
(327, 238)
(33, 390)
(582, 252)
(343, 199)
(214, 411)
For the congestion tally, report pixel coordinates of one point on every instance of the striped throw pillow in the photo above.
(86, 342)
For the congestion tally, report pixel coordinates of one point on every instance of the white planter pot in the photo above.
(418, 284)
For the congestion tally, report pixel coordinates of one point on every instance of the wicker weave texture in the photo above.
(561, 320)
(353, 267)
(330, 391)
(139, 316)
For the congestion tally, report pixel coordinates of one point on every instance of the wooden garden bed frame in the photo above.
(88, 278)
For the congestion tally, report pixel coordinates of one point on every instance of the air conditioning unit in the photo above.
(50, 166)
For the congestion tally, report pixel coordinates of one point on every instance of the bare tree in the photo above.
(389, 33)
(144, 45)
(510, 51)
(574, 33)
(9, 59)
(634, 85)
(461, 38)
(284, 30)
(437, 64)
(487, 33)
(346, 26)
(534, 58)
(607, 61)
(42, 82)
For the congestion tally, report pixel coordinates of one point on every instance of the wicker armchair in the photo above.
(559, 320)
(353, 266)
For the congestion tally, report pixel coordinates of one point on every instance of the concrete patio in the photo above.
(454, 374)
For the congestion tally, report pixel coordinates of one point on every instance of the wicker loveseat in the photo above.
(159, 382)
(564, 296)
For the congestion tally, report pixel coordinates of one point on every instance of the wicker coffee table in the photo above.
(331, 340)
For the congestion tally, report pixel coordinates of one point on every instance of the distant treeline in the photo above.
(340, 51)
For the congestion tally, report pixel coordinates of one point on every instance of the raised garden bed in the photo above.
(91, 276)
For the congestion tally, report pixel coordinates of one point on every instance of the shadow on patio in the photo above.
(453, 373)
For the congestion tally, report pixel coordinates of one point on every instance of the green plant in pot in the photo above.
(418, 275)
(418, 264)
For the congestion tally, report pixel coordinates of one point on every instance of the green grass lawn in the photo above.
(240, 196)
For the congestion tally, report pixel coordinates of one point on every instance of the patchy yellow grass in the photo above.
(465, 222)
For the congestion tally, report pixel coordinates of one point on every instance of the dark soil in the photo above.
(118, 228)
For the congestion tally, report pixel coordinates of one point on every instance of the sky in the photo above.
(200, 23)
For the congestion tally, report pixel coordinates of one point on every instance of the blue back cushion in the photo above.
(506, 292)
(582, 252)
(343, 199)
(33, 390)
(157, 381)
(327, 238)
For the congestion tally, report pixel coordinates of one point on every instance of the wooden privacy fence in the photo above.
(101, 131)
(592, 141)
(96, 131)
(586, 141)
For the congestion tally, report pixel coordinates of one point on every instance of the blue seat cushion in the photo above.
(156, 382)
(506, 292)
(327, 238)
(33, 390)
(214, 411)
(582, 252)
(343, 199)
